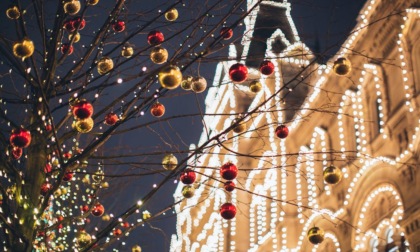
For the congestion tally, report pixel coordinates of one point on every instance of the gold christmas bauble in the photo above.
(92, 2)
(98, 176)
(171, 15)
(136, 248)
(198, 85)
(255, 86)
(72, 7)
(76, 37)
(170, 77)
(332, 175)
(169, 162)
(159, 55)
(23, 49)
(13, 12)
(240, 128)
(84, 126)
(105, 65)
(315, 235)
(83, 239)
(127, 51)
(105, 185)
(106, 217)
(186, 82)
(342, 66)
(188, 191)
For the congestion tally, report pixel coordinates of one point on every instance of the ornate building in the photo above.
(365, 123)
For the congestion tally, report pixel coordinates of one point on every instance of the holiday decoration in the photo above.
(82, 109)
(315, 235)
(24, 48)
(332, 175)
(13, 12)
(85, 208)
(155, 38)
(146, 215)
(83, 239)
(105, 65)
(20, 138)
(240, 127)
(97, 210)
(159, 55)
(226, 33)
(267, 67)
(255, 86)
(171, 15)
(92, 2)
(282, 131)
(98, 176)
(111, 119)
(118, 26)
(68, 176)
(127, 51)
(186, 82)
(157, 109)
(238, 73)
(72, 7)
(106, 217)
(84, 126)
(69, 26)
(228, 211)
(170, 77)
(17, 152)
(198, 84)
(188, 176)
(188, 191)
(169, 162)
(229, 186)
(342, 66)
(76, 37)
(66, 49)
(79, 23)
(45, 188)
(229, 171)
(136, 248)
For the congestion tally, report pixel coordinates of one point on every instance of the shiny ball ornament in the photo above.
(186, 82)
(106, 217)
(229, 171)
(82, 109)
(98, 176)
(240, 127)
(198, 84)
(188, 176)
(229, 186)
(238, 73)
(155, 38)
(157, 109)
(159, 55)
(76, 37)
(332, 175)
(92, 2)
(68, 176)
(105, 185)
(20, 138)
(136, 248)
(79, 22)
(13, 12)
(105, 65)
(98, 210)
(170, 77)
(226, 33)
(45, 188)
(188, 191)
(127, 52)
(67, 49)
(83, 239)
(72, 7)
(267, 67)
(69, 26)
(255, 86)
(169, 162)
(111, 119)
(228, 211)
(84, 126)
(24, 48)
(315, 235)
(342, 66)
(118, 26)
(171, 15)
(117, 232)
(17, 152)
(282, 131)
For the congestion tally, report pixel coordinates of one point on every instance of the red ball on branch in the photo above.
(226, 33)
(17, 152)
(68, 176)
(228, 211)
(157, 109)
(188, 176)
(229, 186)
(238, 73)
(267, 67)
(229, 171)
(82, 109)
(20, 138)
(282, 131)
(117, 232)
(111, 119)
(118, 26)
(155, 38)
(66, 49)
(79, 22)
(45, 188)
(98, 210)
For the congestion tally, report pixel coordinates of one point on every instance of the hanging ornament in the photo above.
(229, 171)
(157, 109)
(170, 77)
(79, 23)
(45, 188)
(315, 235)
(136, 248)
(342, 66)
(106, 217)
(111, 119)
(171, 15)
(85, 208)
(186, 82)
(188, 176)
(48, 168)
(282, 131)
(118, 26)
(238, 73)
(229, 186)
(66, 49)
(92, 2)
(13, 12)
(188, 191)
(146, 215)
(255, 86)
(84, 126)
(117, 232)
(240, 127)
(76, 37)
(228, 211)
(127, 51)
(68, 176)
(97, 210)
(105, 65)
(82, 109)
(332, 175)
(226, 33)
(20, 138)
(98, 176)
(83, 239)
(155, 38)
(198, 84)
(72, 7)
(69, 26)
(267, 67)
(169, 162)
(105, 185)
(17, 152)
(24, 48)
(159, 55)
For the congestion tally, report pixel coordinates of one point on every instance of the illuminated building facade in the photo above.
(365, 123)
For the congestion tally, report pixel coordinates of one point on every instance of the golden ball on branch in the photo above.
(24, 48)
(315, 235)
(13, 12)
(169, 161)
(92, 2)
(105, 65)
(127, 51)
(84, 126)
(188, 191)
(171, 15)
(332, 175)
(72, 7)
(198, 85)
(159, 55)
(342, 66)
(170, 77)
(76, 37)
(255, 86)
(240, 127)
(186, 83)
(136, 248)
(83, 239)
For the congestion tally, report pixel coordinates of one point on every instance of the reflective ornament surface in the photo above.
(229, 171)
(170, 77)
(111, 119)
(67, 49)
(17, 152)
(188, 176)
(20, 138)
(238, 73)
(157, 109)
(282, 131)
(118, 26)
(45, 188)
(169, 162)
(315, 235)
(84, 126)
(98, 210)
(68, 176)
(159, 55)
(155, 38)
(228, 211)
(24, 48)
(136, 248)
(72, 7)
(229, 186)
(332, 175)
(171, 15)
(78, 23)
(186, 83)
(13, 12)
(82, 109)
(198, 84)
(226, 33)
(92, 2)
(240, 127)
(83, 239)
(188, 191)
(127, 51)
(267, 67)
(255, 86)
(342, 66)
(105, 65)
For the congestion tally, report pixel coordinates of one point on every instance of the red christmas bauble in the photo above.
(125, 224)
(118, 26)
(98, 210)
(48, 127)
(79, 23)
(229, 171)
(157, 109)
(68, 176)
(117, 232)
(85, 208)
(226, 33)
(48, 168)
(188, 176)
(238, 73)
(17, 152)
(20, 138)
(60, 218)
(45, 188)
(282, 131)
(111, 119)
(228, 211)
(66, 49)
(82, 110)
(69, 26)
(155, 38)
(67, 155)
(267, 67)
(229, 186)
